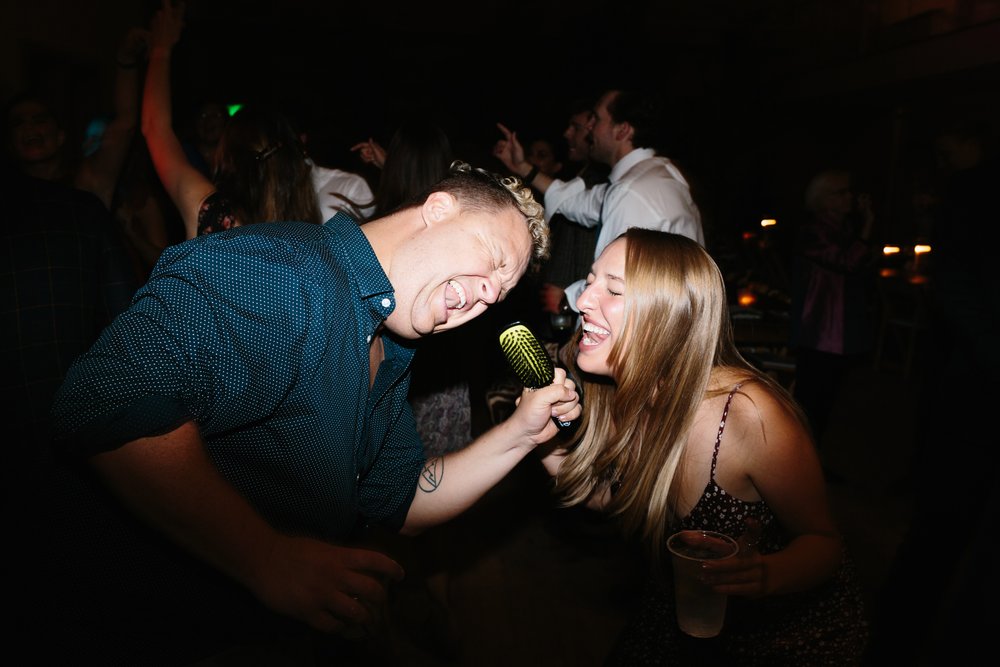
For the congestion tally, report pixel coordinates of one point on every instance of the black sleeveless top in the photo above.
(823, 626)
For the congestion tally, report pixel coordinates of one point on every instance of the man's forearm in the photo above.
(451, 484)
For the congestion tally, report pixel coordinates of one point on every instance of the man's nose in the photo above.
(489, 293)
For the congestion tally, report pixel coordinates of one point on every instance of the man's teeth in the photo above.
(593, 328)
(460, 292)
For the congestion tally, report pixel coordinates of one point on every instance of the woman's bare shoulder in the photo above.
(759, 410)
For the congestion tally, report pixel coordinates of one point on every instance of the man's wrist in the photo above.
(530, 176)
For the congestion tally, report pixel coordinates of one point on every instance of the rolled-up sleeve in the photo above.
(192, 343)
(142, 377)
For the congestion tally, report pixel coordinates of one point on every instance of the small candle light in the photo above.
(768, 222)
(892, 255)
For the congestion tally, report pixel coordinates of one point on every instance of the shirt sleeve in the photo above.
(362, 197)
(196, 339)
(135, 381)
(386, 495)
(559, 194)
(351, 195)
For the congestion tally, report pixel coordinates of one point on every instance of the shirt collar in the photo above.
(634, 157)
(373, 285)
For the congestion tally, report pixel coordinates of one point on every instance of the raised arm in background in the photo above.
(186, 186)
(99, 173)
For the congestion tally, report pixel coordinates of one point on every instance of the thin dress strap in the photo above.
(722, 427)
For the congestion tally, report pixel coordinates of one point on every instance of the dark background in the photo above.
(760, 93)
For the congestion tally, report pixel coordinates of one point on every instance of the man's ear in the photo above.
(439, 207)
(624, 131)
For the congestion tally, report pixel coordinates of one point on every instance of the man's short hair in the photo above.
(480, 190)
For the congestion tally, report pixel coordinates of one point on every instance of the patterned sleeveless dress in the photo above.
(216, 215)
(823, 626)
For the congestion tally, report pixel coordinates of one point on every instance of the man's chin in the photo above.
(454, 319)
(444, 326)
(458, 319)
(423, 329)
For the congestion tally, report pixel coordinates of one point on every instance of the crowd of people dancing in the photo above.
(242, 372)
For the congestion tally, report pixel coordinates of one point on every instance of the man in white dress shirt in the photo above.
(644, 189)
(339, 190)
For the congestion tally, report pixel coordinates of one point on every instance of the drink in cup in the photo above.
(700, 610)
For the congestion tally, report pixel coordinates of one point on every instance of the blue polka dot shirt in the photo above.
(261, 334)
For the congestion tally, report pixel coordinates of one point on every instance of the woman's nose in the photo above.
(585, 300)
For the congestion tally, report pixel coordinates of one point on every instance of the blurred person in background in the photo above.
(832, 290)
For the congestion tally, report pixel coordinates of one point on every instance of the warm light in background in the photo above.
(746, 298)
(890, 250)
(748, 235)
(918, 250)
(768, 222)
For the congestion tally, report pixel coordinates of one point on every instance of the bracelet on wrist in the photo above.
(530, 177)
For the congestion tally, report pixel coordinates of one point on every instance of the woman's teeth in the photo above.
(589, 328)
(460, 292)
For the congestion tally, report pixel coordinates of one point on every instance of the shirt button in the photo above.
(386, 303)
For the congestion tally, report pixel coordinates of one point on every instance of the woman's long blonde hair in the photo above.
(634, 431)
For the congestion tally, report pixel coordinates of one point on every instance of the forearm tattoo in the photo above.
(432, 474)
